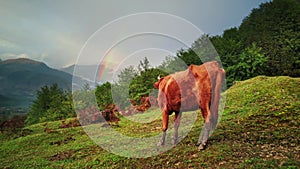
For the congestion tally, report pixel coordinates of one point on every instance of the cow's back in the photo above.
(204, 76)
(185, 90)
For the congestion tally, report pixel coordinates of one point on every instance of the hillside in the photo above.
(259, 129)
(21, 78)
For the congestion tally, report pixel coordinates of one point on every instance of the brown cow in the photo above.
(198, 86)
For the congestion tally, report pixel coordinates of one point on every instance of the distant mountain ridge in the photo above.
(21, 78)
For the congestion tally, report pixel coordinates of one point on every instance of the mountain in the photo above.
(21, 78)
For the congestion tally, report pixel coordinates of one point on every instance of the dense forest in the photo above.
(266, 43)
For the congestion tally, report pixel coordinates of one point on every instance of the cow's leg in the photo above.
(165, 122)
(176, 126)
(206, 128)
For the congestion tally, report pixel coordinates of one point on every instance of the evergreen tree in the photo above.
(144, 64)
(142, 85)
(52, 103)
(103, 95)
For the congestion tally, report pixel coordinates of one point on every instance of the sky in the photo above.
(55, 31)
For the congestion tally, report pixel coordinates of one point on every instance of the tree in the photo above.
(250, 63)
(271, 33)
(142, 85)
(104, 95)
(126, 75)
(275, 27)
(172, 64)
(84, 98)
(120, 90)
(52, 103)
(228, 46)
(144, 64)
(204, 50)
(189, 57)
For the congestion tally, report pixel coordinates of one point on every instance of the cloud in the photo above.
(23, 55)
(5, 56)
(5, 44)
(55, 31)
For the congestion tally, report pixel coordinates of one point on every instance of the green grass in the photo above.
(258, 129)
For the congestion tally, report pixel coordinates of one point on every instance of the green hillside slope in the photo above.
(259, 129)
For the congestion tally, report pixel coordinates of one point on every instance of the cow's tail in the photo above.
(216, 94)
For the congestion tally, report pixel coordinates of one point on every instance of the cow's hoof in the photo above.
(159, 144)
(174, 141)
(202, 147)
(198, 143)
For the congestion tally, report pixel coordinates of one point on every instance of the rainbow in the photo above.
(104, 65)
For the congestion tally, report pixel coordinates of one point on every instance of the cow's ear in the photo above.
(191, 67)
(156, 84)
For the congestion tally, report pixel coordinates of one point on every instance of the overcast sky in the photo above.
(54, 31)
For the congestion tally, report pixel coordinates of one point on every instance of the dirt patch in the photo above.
(73, 123)
(62, 155)
(65, 141)
(14, 124)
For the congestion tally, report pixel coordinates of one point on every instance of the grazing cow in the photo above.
(197, 87)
